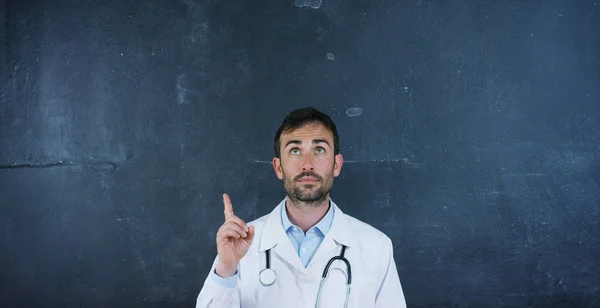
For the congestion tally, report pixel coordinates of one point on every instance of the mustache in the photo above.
(308, 173)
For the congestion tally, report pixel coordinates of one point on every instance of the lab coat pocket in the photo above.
(334, 290)
(364, 289)
(269, 296)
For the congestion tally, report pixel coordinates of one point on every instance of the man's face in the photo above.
(308, 165)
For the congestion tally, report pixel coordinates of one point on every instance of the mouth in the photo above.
(307, 179)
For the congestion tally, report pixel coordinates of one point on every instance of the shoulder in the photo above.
(260, 222)
(372, 246)
(365, 234)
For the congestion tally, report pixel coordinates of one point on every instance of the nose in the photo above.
(308, 168)
(308, 164)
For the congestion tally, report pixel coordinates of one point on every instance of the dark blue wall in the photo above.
(470, 129)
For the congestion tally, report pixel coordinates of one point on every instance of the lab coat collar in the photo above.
(322, 226)
(274, 235)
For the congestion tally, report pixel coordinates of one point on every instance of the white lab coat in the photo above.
(375, 281)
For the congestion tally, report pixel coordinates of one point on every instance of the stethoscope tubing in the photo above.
(268, 271)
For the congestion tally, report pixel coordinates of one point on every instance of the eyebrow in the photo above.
(315, 141)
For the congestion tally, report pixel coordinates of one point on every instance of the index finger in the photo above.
(228, 207)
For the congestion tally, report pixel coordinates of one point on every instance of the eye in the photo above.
(294, 151)
(320, 150)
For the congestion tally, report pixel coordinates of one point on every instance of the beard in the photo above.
(310, 194)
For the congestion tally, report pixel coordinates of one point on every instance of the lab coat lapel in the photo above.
(339, 234)
(273, 237)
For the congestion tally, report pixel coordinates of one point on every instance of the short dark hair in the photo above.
(301, 117)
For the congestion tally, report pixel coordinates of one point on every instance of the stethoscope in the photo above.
(267, 276)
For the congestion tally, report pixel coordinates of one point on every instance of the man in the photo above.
(279, 259)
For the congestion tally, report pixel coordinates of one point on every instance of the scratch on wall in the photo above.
(315, 4)
(101, 166)
(405, 160)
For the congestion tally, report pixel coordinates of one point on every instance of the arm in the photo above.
(233, 240)
(219, 292)
(390, 292)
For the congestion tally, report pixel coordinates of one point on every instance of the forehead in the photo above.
(308, 132)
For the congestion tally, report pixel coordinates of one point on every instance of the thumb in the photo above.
(250, 236)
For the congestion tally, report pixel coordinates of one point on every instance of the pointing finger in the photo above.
(228, 207)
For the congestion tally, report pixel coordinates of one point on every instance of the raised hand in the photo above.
(233, 240)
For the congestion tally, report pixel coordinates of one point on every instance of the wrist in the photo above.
(225, 271)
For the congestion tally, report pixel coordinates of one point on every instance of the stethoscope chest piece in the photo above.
(267, 277)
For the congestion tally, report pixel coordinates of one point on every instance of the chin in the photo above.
(312, 197)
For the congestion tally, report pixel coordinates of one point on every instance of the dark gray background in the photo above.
(476, 147)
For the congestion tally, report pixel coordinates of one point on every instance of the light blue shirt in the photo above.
(305, 244)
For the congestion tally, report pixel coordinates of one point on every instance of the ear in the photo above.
(337, 164)
(277, 167)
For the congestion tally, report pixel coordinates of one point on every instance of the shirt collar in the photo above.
(272, 235)
(323, 225)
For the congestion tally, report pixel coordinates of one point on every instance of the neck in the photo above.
(306, 215)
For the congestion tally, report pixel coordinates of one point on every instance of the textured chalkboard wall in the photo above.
(470, 129)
